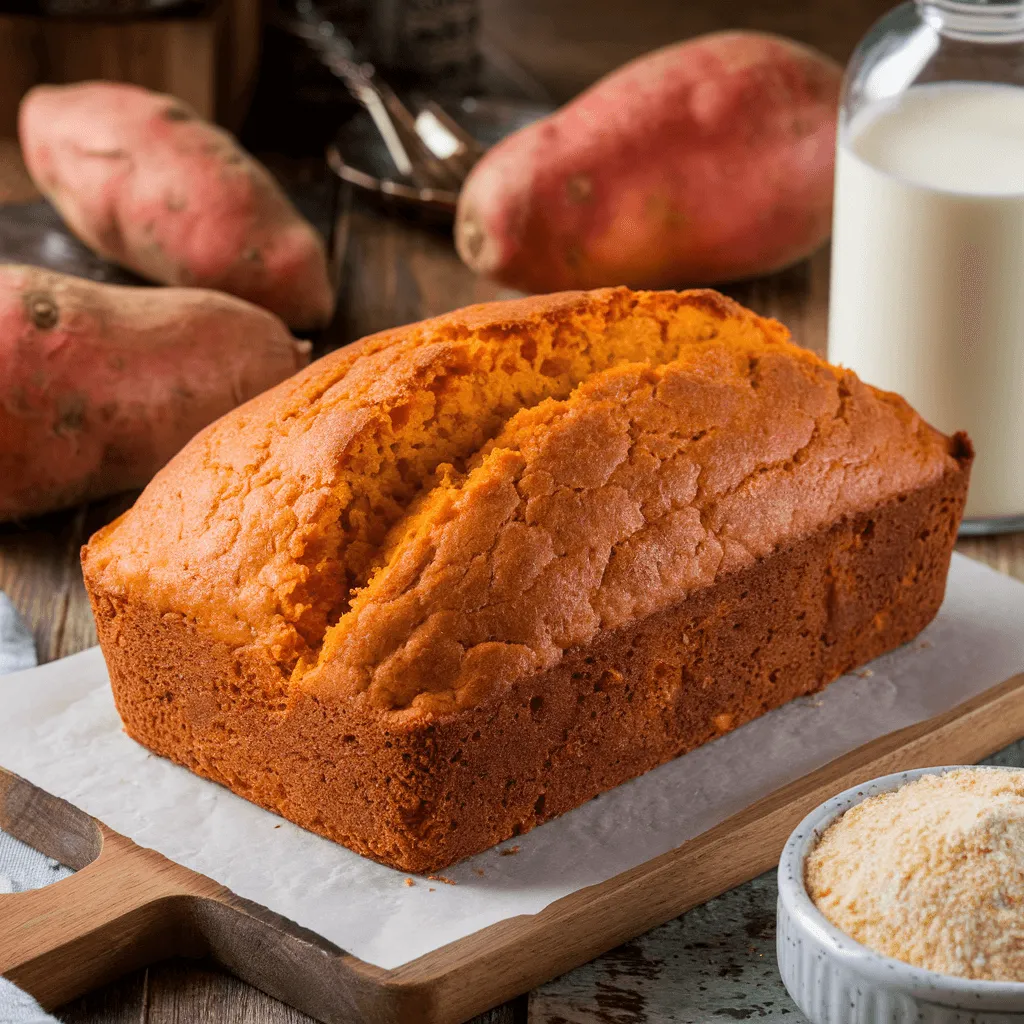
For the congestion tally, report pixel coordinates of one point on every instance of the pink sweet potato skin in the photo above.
(706, 161)
(100, 385)
(147, 184)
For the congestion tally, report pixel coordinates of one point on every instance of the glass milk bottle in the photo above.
(928, 238)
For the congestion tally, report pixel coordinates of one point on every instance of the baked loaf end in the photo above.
(463, 576)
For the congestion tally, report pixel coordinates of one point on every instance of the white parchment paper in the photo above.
(59, 730)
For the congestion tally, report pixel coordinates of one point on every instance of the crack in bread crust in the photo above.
(278, 512)
(590, 513)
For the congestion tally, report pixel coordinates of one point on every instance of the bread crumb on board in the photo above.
(478, 871)
(441, 878)
(409, 882)
(509, 851)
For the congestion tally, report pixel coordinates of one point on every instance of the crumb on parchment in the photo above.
(409, 882)
(509, 851)
(441, 878)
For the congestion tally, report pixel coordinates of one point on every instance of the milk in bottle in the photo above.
(927, 293)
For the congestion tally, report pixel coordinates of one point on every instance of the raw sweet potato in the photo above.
(146, 183)
(100, 385)
(706, 161)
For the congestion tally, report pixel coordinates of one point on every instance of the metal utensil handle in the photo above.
(392, 118)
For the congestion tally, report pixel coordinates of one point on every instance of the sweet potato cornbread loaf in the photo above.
(460, 577)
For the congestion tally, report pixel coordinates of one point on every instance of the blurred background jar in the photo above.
(426, 41)
(927, 294)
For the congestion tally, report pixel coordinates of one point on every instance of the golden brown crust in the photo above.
(521, 494)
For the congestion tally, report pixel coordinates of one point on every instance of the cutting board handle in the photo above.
(124, 910)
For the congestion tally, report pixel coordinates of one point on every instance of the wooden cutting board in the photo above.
(127, 906)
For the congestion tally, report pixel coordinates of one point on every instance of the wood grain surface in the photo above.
(210, 61)
(394, 271)
(185, 993)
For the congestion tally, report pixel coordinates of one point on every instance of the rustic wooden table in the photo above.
(714, 963)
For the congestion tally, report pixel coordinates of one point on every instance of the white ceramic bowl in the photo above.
(836, 980)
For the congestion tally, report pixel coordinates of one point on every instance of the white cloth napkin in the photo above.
(17, 649)
(21, 867)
